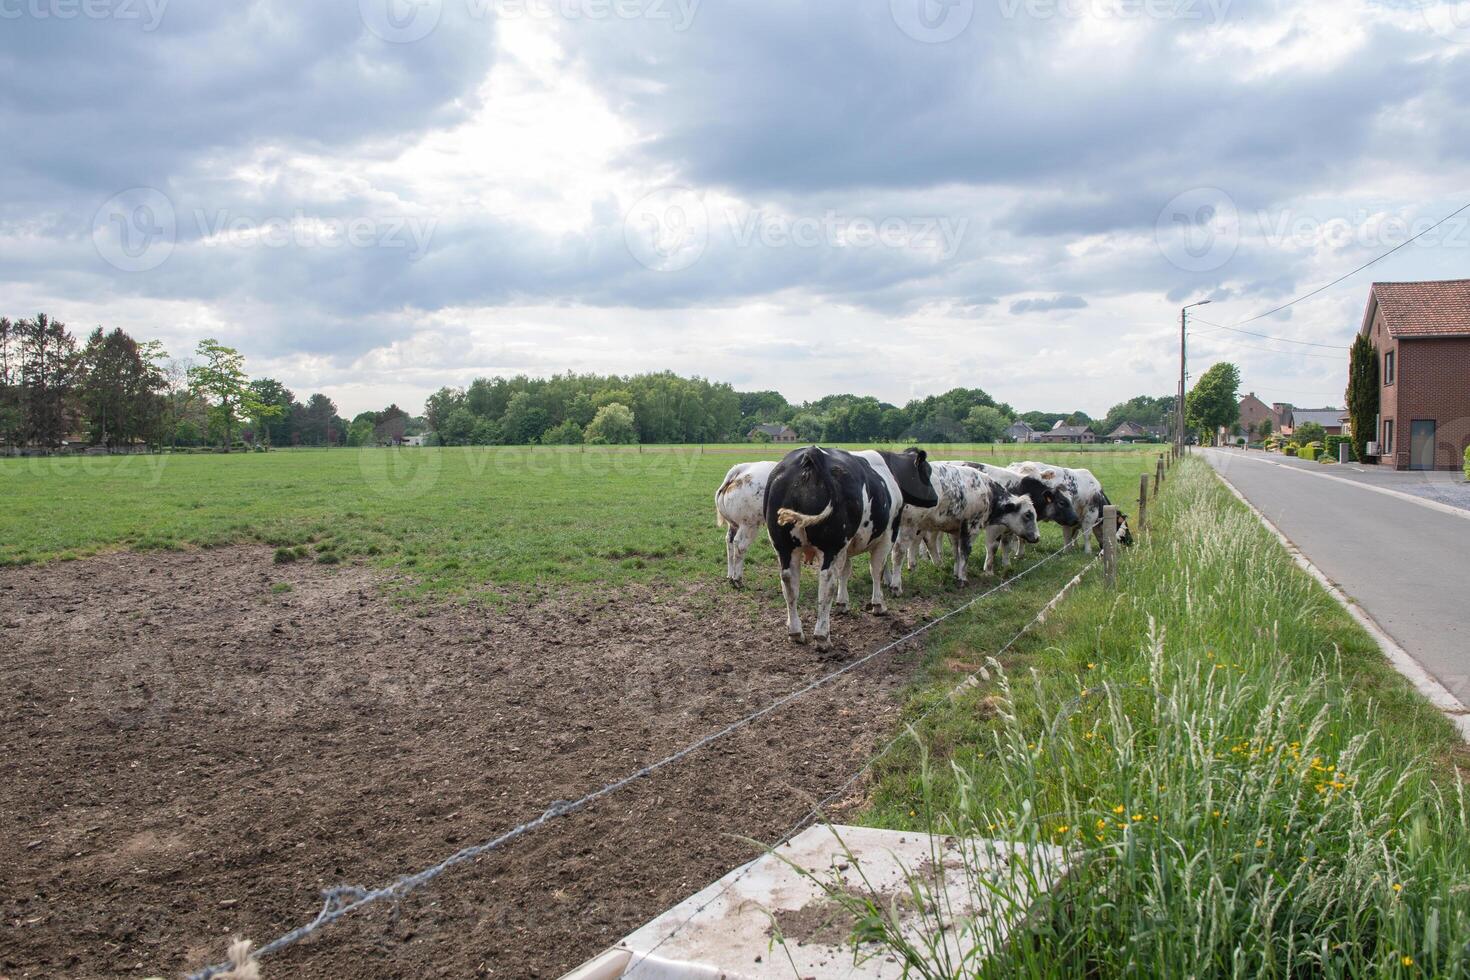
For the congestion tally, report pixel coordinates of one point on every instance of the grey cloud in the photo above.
(1044, 304)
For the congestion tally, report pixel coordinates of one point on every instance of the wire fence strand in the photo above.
(343, 900)
(820, 808)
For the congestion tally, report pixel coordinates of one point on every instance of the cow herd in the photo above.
(825, 506)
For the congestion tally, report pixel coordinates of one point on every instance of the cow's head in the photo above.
(912, 471)
(1125, 536)
(1052, 504)
(1017, 514)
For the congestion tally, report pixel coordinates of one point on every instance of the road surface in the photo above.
(1406, 562)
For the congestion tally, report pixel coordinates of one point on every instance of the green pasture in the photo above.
(454, 520)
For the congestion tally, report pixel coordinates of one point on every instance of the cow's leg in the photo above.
(827, 581)
(934, 541)
(1069, 536)
(1018, 547)
(844, 572)
(887, 564)
(1087, 532)
(962, 544)
(791, 591)
(908, 548)
(739, 544)
(880, 555)
(730, 531)
(995, 541)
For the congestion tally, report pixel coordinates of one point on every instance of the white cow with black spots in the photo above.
(970, 505)
(740, 508)
(1088, 500)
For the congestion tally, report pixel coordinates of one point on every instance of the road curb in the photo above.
(1443, 700)
(1371, 488)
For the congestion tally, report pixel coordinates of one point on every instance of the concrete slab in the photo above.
(728, 929)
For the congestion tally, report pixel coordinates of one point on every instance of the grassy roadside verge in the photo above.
(1243, 783)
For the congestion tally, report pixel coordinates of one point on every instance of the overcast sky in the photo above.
(888, 197)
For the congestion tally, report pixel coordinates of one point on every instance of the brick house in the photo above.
(777, 433)
(1066, 433)
(1253, 412)
(1422, 333)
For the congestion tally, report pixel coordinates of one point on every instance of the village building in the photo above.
(1421, 331)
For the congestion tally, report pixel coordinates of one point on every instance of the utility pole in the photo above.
(1179, 406)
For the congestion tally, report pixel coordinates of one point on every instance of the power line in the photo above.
(1278, 309)
(1290, 353)
(1266, 336)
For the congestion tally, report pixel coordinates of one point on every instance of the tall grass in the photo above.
(1242, 785)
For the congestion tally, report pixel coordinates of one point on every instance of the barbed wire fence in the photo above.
(343, 900)
(910, 730)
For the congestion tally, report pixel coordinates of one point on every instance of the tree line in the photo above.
(115, 392)
(666, 408)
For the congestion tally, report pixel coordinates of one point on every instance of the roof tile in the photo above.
(1435, 308)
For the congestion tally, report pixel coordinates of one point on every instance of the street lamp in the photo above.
(1179, 405)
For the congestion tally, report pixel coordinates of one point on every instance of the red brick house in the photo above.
(1253, 412)
(1422, 333)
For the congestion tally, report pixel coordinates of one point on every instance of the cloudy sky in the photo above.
(374, 198)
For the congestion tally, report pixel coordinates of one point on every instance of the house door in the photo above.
(1421, 444)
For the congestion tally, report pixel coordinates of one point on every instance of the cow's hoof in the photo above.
(797, 637)
(736, 583)
(876, 609)
(824, 644)
(842, 607)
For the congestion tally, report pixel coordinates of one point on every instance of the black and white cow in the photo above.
(970, 503)
(740, 508)
(1088, 500)
(1051, 503)
(831, 505)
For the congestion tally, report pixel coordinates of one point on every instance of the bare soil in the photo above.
(189, 752)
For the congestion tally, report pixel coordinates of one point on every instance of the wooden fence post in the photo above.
(1142, 503)
(1109, 528)
(1159, 475)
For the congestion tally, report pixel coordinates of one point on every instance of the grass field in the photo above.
(1244, 784)
(456, 520)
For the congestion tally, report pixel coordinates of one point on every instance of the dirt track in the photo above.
(186, 755)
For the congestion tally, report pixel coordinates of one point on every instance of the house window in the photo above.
(1387, 448)
(1388, 365)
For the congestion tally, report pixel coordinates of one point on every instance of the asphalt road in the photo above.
(1407, 564)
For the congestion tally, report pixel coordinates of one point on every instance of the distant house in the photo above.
(1019, 431)
(1066, 433)
(777, 433)
(1330, 419)
(1254, 412)
(414, 440)
(1159, 432)
(1422, 333)
(1128, 432)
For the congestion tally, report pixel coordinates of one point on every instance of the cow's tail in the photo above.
(795, 519)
